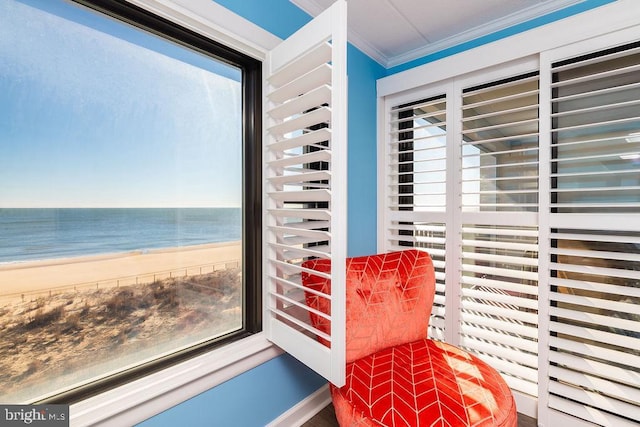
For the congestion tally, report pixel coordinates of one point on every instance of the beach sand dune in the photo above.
(115, 269)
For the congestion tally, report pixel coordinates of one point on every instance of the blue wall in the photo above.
(249, 400)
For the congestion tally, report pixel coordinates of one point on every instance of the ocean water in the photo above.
(36, 234)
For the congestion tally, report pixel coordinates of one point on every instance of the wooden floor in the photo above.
(327, 418)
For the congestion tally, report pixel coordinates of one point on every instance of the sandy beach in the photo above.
(30, 278)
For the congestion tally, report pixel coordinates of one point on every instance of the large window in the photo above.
(129, 196)
(541, 182)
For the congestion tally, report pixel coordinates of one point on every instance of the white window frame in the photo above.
(141, 399)
(615, 20)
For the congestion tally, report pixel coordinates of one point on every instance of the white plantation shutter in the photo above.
(541, 223)
(416, 184)
(594, 259)
(305, 172)
(499, 227)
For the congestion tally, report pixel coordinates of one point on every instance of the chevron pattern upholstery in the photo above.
(395, 375)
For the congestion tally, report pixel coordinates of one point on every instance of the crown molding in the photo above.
(516, 18)
(313, 8)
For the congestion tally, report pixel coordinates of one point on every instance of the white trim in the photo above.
(453, 217)
(138, 400)
(304, 410)
(526, 404)
(557, 418)
(544, 239)
(617, 15)
(215, 22)
(382, 172)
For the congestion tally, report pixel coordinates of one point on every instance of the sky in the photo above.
(111, 119)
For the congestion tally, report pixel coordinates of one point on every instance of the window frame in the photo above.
(138, 396)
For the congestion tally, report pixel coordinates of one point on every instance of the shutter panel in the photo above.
(499, 233)
(500, 146)
(594, 342)
(305, 172)
(416, 193)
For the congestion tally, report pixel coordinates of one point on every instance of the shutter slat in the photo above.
(502, 259)
(297, 252)
(501, 245)
(594, 367)
(593, 123)
(605, 91)
(596, 109)
(308, 214)
(494, 335)
(498, 113)
(306, 139)
(313, 156)
(588, 413)
(319, 235)
(302, 196)
(300, 178)
(590, 398)
(395, 121)
(596, 287)
(497, 297)
(321, 76)
(314, 98)
(591, 334)
(513, 315)
(514, 232)
(501, 272)
(517, 357)
(499, 284)
(500, 326)
(597, 75)
(597, 254)
(468, 131)
(484, 141)
(317, 56)
(590, 351)
(596, 319)
(431, 126)
(321, 115)
(515, 96)
(596, 271)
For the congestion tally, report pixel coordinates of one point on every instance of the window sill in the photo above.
(139, 400)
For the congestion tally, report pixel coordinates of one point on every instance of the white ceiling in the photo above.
(397, 31)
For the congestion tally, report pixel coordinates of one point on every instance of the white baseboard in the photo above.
(304, 410)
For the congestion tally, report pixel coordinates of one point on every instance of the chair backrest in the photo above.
(389, 299)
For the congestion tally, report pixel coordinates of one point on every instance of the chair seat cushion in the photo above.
(424, 383)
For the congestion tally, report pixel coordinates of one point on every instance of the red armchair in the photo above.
(395, 375)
